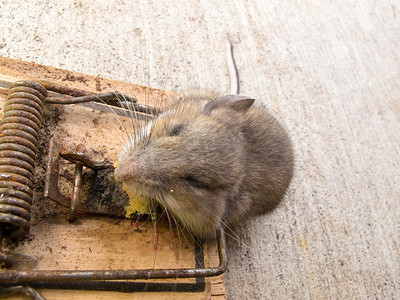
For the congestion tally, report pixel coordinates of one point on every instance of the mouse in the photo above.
(209, 160)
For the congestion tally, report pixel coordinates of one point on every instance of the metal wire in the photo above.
(19, 137)
(68, 276)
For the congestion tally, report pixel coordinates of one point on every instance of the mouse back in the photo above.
(209, 160)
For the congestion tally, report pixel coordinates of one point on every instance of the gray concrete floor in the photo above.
(330, 71)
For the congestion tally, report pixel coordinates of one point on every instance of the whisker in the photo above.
(116, 117)
(178, 224)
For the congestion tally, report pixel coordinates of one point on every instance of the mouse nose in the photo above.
(130, 170)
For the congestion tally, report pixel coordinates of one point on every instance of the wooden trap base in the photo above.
(95, 242)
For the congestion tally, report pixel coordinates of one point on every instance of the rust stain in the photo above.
(303, 243)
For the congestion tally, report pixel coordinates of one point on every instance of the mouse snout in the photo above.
(129, 170)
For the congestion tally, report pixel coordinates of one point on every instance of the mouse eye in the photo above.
(195, 182)
(176, 129)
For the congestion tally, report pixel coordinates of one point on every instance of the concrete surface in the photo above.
(329, 70)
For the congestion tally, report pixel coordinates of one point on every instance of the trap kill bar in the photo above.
(40, 277)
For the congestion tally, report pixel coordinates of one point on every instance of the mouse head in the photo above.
(190, 159)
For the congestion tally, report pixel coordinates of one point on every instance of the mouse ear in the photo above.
(238, 103)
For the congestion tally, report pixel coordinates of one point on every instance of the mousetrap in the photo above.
(63, 231)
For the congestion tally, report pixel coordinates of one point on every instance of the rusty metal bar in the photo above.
(64, 90)
(104, 97)
(22, 277)
(69, 95)
(112, 98)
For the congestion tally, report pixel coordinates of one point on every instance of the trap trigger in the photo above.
(100, 189)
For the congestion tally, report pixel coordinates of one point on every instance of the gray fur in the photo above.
(211, 161)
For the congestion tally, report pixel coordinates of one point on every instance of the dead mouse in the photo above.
(210, 161)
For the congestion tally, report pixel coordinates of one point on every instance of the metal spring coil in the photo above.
(19, 137)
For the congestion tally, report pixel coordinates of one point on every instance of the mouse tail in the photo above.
(232, 70)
